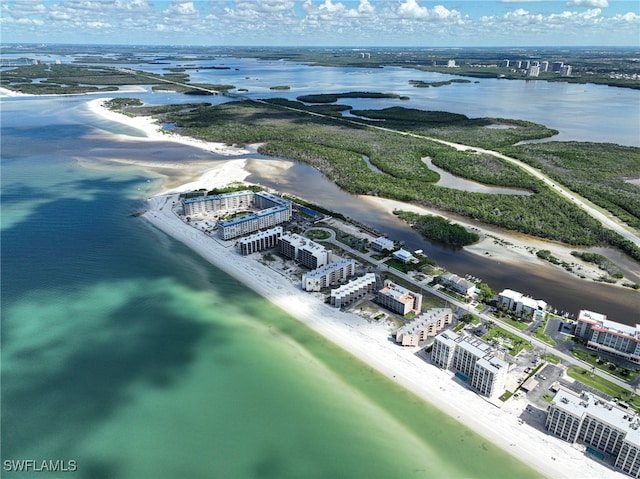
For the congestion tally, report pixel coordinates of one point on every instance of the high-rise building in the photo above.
(398, 299)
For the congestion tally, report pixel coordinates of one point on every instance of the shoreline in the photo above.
(366, 342)
(369, 343)
(495, 244)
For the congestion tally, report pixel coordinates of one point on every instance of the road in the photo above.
(606, 220)
(566, 358)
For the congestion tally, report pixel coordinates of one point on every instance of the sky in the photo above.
(349, 23)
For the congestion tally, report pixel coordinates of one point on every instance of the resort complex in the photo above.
(272, 211)
(357, 283)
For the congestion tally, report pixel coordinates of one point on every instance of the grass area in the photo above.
(514, 343)
(459, 327)
(506, 395)
(550, 358)
(540, 334)
(547, 398)
(519, 325)
(585, 377)
(593, 359)
(317, 235)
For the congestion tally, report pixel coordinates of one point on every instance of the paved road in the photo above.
(566, 358)
(606, 220)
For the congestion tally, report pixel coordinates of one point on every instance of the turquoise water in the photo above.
(127, 353)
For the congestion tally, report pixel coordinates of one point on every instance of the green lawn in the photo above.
(591, 358)
(517, 343)
(551, 358)
(601, 384)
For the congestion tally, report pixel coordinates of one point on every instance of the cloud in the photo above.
(588, 3)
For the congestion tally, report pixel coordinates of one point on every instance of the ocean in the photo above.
(127, 356)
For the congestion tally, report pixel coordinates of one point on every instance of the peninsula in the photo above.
(363, 337)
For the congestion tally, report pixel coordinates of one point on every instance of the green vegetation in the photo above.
(594, 360)
(336, 148)
(486, 293)
(505, 396)
(540, 334)
(550, 358)
(514, 323)
(439, 229)
(599, 171)
(234, 187)
(603, 262)
(317, 234)
(427, 84)
(121, 103)
(280, 87)
(508, 340)
(333, 97)
(456, 127)
(469, 319)
(586, 377)
(547, 397)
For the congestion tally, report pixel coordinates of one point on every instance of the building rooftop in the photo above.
(220, 196)
(604, 411)
(608, 325)
(424, 320)
(253, 216)
(321, 271)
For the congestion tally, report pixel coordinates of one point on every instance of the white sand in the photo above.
(154, 132)
(509, 247)
(367, 342)
(370, 344)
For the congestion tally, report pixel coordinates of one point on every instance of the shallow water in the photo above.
(127, 353)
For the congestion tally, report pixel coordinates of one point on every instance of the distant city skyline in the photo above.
(349, 23)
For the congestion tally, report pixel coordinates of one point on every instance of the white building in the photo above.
(521, 305)
(398, 299)
(609, 336)
(565, 71)
(382, 243)
(423, 326)
(329, 274)
(308, 253)
(404, 256)
(254, 222)
(273, 211)
(457, 284)
(598, 424)
(533, 71)
(260, 241)
(473, 360)
(353, 290)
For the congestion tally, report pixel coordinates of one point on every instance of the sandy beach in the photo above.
(550, 456)
(495, 243)
(369, 342)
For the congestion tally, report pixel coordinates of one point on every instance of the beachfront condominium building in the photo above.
(456, 283)
(398, 299)
(328, 275)
(304, 251)
(223, 203)
(353, 290)
(599, 425)
(609, 336)
(254, 222)
(523, 306)
(273, 211)
(473, 360)
(260, 241)
(424, 326)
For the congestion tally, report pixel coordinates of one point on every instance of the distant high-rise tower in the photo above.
(544, 66)
(556, 67)
(565, 71)
(504, 63)
(533, 71)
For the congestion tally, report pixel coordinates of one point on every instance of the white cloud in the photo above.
(411, 9)
(588, 3)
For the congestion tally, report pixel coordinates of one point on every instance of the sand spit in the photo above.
(369, 342)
